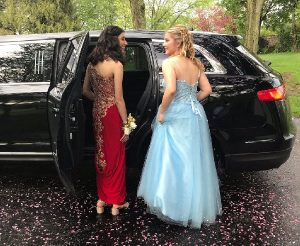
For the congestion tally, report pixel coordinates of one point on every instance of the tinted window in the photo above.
(26, 61)
(135, 59)
(160, 54)
(66, 62)
(231, 59)
(250, 55)
(206, 63)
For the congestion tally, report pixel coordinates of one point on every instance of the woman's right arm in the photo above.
(170, 79)
(205, 87)
(118, 80)
(87, 89)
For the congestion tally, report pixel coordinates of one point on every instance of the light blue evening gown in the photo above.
(179, 182)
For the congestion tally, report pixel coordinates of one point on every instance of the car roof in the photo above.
(33, 37)
(152, 34)
(132, 34)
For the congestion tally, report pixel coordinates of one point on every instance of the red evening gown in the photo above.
(109, 150)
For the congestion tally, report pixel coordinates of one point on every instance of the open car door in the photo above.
(65, 109)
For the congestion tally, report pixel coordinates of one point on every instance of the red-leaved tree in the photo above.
(214, 19)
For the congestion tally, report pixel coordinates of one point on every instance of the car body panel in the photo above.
(65, 110)
(38, 118)
(25, 67)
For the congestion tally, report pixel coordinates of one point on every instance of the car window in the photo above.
(68, 68)
(259, 62)
(26, 61)
(233, 61)
(160, 54)
(136, 59)
(207, 65)
(66, 64)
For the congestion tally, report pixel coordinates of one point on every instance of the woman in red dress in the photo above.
(103, 85)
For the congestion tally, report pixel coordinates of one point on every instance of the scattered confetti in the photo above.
(259, 208)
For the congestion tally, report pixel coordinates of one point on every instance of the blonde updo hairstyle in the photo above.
(181, 34)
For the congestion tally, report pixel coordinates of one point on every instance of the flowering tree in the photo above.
(214, 19)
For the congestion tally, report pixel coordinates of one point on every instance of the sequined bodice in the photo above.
(184, 91)
(103, 87)
(104, 91)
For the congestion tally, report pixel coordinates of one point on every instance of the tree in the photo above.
(95, 15)
(166, 13)
(254, 11)
(124, 18)
(38, 16)
(12, 17)
(294, 26)
(275, 13)
(52, 16)
(214, 19)
(138, 13)
(2, 5)
(237, 10)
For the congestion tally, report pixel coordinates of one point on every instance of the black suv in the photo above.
(44, 116)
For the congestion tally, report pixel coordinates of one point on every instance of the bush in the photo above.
(281, 42)
(267, 44)
(285, 40)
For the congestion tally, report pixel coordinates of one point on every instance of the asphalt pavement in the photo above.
(259, 208)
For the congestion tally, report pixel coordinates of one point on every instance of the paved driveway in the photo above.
(260, 208)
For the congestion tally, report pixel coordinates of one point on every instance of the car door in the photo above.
(146, 107)
(25, 69)
(65, 110)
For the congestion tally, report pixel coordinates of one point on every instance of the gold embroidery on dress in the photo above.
(104, 90)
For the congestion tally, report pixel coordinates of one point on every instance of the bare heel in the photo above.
(100, 207)
(115, 210)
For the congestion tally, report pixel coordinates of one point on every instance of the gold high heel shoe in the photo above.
(100, 207)
(115, 208)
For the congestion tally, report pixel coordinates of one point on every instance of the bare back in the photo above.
(185, 69)
(105, 68)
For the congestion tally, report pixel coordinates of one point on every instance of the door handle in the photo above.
(55, 110)
(224, 86)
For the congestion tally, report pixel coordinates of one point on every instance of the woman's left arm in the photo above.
(205, 87)
(87, 89)
(170, 79)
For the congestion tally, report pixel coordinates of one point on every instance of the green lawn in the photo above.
(288, 64)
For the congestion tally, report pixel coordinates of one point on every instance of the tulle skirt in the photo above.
(179, 182)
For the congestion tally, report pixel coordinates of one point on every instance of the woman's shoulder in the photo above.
(167, 64)
(107, 62)
(170, 61)
(178, 59)
(117, 64)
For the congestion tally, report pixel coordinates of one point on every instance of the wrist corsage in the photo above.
(130, 125)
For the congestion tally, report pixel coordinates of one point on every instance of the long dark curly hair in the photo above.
(108, 46)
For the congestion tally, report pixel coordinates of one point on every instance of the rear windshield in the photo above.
(258, 61)
(160, 54)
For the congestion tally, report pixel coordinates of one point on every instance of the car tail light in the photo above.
(274, 94)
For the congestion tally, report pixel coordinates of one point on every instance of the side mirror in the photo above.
(268, 63)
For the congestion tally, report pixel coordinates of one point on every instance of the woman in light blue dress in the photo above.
(179, 182)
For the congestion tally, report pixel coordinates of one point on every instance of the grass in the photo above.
(288, 64)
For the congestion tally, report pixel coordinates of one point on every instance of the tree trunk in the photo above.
(138, 14)
(254, 11)
(294, 27)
